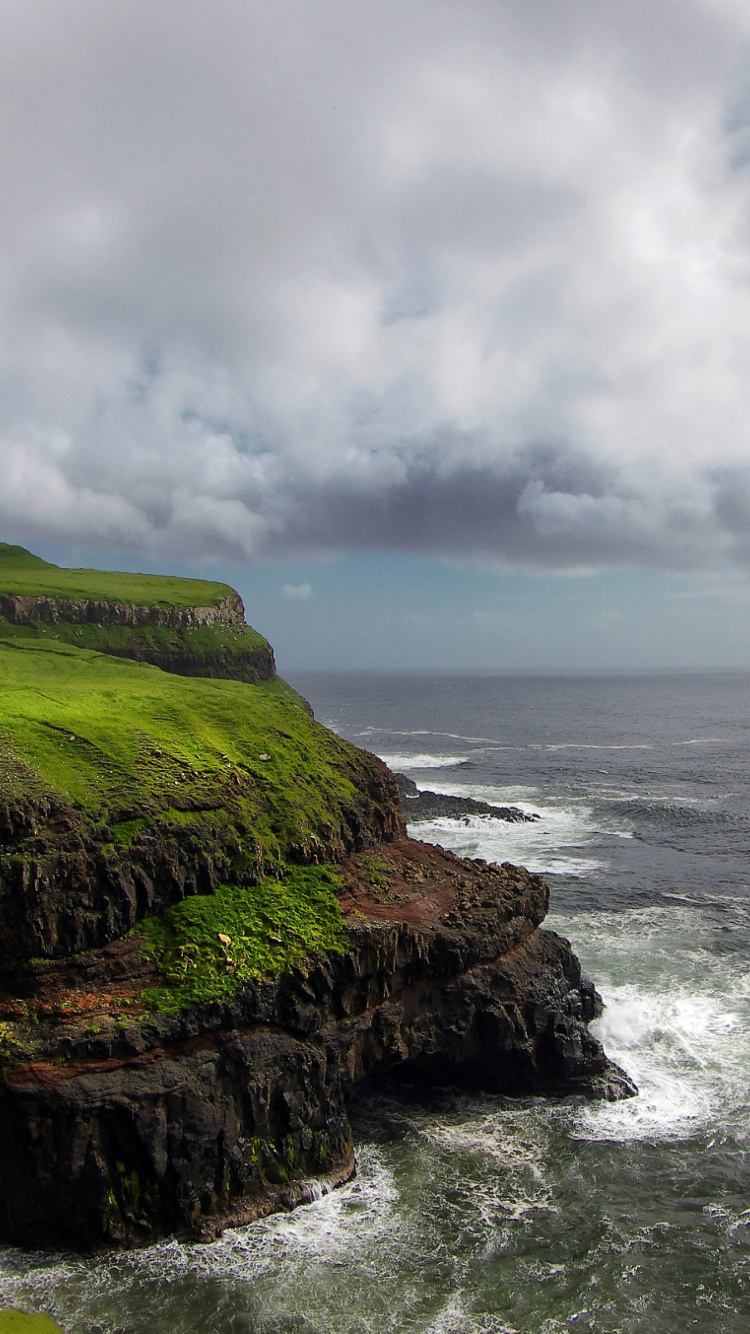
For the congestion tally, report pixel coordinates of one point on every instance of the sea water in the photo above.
(474, 1214)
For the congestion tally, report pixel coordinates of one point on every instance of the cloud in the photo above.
(301, 592)
(472, 281)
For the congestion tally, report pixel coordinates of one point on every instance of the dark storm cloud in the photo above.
(471, 280)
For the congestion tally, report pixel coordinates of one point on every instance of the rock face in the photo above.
(223, 1114)
(27, 610)
(65, 887)
(185, 658)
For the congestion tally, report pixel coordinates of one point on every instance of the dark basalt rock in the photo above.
(251, 666)
(66, 888)
(425, 805)
(225, 1113)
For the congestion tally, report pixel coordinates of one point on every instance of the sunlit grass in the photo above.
(23, 574)
(121, 739)
(207, 947)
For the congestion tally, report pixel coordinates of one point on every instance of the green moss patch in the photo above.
(207, 947)
(376, 870)
(18, 1322)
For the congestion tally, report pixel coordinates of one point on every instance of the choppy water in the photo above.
(479, 1215)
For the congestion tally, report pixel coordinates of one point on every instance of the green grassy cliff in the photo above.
(22, 574)
(187, 626)
(125, 790)
(212, 931)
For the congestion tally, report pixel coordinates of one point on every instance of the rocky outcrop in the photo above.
(207, 641)
(26, 610)
(67, 887)
(146, 1126)
(132, 1105)
(425, 805)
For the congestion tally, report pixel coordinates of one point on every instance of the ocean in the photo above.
(474, 1214)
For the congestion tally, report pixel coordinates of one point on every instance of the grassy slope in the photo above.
(132, 748)
(26, 575)
(124, 740)
(138, 753)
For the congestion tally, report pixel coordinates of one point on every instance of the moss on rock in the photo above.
(207, 948)
(20, 1322)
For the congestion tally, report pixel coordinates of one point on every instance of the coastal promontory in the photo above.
(214, 928)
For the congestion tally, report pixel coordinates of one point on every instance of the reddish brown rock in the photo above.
(135, 1130)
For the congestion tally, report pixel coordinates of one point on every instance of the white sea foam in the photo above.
(676, 1024)
(527, 798)
(702, 741)
(554, 844)
(331, 1228)
(426, 761)
(423, 731)
(329, 1231)
(496, 841)
(588, 745)
(456, 1317)
(674, 1020)
(687, 1052)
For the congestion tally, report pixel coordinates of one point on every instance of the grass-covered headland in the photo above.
(211, 931)
(188, 626)
(22, 574)
(209, 814)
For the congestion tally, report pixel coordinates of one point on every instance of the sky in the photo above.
(424, 323)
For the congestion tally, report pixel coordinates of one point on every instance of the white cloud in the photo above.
(301, 592)
(285, 279)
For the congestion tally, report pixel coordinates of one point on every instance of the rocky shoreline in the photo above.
(227, 1112)
(421, 804)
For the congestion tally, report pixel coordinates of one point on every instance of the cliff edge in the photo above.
(187, 626)
(214, 928)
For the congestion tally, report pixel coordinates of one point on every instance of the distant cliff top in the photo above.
(190, 627)
(23, 574)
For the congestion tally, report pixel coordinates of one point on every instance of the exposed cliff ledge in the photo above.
(187, 627)
(139, 1127)
(69, 883)
(25, 610)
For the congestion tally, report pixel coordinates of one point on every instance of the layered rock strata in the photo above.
(27, 610)
(135, 1129)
